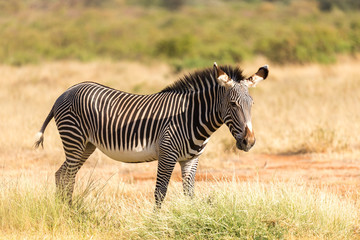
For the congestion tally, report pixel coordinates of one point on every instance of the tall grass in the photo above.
(229, 210)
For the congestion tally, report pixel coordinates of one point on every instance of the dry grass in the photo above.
(309, 109)
(299, 109)
(223, 210)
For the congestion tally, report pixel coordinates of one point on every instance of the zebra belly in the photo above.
(137, 155)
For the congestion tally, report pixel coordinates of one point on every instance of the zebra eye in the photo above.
(233, 104)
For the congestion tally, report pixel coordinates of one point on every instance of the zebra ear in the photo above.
(222, 78)
(260, 75)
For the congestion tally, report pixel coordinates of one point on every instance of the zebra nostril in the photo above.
(244, 142)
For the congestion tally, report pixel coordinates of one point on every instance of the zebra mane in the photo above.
(192, 81)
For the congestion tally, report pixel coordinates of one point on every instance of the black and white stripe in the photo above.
(170, 126)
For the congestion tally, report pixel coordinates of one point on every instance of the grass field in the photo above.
(226, 210)
(307, 115)
(308, 109)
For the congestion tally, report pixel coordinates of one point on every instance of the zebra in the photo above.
(173, 125)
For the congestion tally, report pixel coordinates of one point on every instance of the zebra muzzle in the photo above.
(247, 142)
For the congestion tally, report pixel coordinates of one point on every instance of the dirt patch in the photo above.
(338, 176)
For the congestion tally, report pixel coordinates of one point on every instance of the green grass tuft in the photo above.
(257, 211)
(227, 210)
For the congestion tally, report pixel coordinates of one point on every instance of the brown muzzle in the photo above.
(247, 142)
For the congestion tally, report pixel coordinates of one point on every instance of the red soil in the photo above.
(338, 176)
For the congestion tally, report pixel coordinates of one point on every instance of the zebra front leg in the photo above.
(188, 171)
(165, 169)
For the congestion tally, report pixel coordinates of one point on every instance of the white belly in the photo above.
(136, 155)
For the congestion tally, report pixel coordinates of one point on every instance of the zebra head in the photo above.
(236, 105)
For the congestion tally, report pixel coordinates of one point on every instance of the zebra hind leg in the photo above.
(65, 176)
(188, 171)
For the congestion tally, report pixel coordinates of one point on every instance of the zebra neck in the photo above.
(204, 110)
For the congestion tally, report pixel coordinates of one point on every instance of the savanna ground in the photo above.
(306, 120)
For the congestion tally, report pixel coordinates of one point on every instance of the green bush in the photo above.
(175, 47)
(305, 44)
(328, 5)
(230, 32)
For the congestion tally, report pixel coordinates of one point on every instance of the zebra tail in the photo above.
(40, 135)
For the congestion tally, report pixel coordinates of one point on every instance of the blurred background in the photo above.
(182, 33)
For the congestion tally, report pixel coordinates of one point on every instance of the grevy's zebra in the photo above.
(172, 126)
